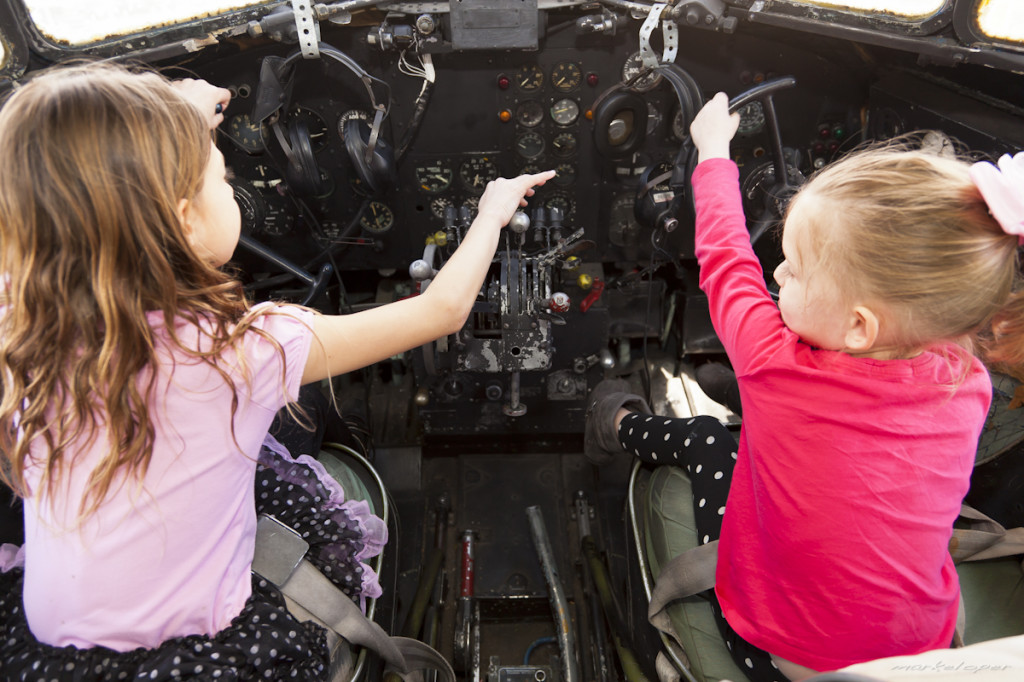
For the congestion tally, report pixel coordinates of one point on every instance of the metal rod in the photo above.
(599, 653)
(559, 604)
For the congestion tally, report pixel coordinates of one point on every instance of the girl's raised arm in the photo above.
(713, 128)
(348, 342)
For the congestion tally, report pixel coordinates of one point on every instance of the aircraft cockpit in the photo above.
(361, 135)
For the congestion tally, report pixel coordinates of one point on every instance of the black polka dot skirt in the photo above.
(264, 642)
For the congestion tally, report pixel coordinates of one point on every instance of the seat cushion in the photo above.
(670, 530)
(993, 593)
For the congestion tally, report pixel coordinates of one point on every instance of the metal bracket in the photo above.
(647, 54)
(307, 29)
(670, 34)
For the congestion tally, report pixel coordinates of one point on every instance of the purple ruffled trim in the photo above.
(11, 556)
(372, 527)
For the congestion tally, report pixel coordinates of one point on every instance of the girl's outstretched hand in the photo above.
(504, 195)
(713, 127)
(210, 100)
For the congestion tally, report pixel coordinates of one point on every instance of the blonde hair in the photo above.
(98, 158)
(908, 228)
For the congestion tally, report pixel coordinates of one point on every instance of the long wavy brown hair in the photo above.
(97, 158)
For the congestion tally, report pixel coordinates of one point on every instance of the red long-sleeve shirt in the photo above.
(849, 475)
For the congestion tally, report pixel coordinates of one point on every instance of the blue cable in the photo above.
(536, 643)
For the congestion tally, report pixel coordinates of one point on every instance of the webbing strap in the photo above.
(278, 547)
(687, 574)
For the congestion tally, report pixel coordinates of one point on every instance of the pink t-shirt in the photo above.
(849, 473)
(168, 556)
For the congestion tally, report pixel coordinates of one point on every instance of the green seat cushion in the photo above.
(670, 530)
(345, 470)
(993, 593)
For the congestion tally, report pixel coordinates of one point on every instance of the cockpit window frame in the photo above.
(15, 47)
(876, 21)
(965, 23)
(146, 44)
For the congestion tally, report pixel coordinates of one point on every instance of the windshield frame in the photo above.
(16, 53)
(884, 23)
(965, 23)
(147, 44)
(928, 37)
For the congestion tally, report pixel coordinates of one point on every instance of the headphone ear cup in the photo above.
(303, 172)
(620, 109)
(378, 172)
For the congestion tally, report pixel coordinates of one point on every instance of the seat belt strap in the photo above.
(279, 558)
(687, 574)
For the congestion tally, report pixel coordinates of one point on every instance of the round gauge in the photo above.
(246, 134)
(566, 174)
(314, 124)
(565, 111)
(758, 189)
(633, 67)
(438, 206)
(530, 145)
(566, 76)
(530, 169)
(560, 200)
(472, 203)
(528, 78)
(751, 119)
(529, 113)
(680, 127)
(623, 229)
(377, 218)
(563, 145)
(250, 205)
(653, 118)
(476, 172)
(351, 114)
(267, 178)
(434, 176)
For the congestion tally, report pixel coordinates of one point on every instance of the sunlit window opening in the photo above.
(1003, 19)
(80, 23)
(910, 9)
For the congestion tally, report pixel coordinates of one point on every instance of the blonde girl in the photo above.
(862, 401)
(139, 384)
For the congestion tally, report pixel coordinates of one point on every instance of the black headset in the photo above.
(372, 157)
(618, 102)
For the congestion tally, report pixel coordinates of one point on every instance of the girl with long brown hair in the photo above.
(139, 384)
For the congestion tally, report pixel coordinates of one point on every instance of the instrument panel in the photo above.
(366, 167)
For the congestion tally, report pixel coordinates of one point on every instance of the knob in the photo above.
(520, 222)
(420, 270)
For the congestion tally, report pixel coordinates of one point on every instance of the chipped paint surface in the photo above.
(1003, 19)
(910, 9)
(76, 22)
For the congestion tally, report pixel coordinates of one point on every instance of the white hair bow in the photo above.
(1003, 191)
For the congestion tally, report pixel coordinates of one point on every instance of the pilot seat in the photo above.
(661, 519)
